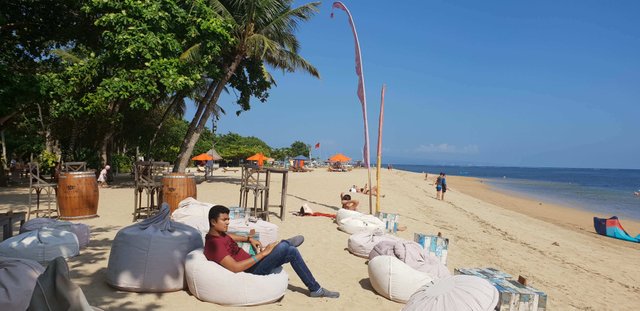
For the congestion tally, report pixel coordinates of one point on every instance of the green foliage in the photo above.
(122, 163)
(234, 148)
(299, 148)
(47, 161)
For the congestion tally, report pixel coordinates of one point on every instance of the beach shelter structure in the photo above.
(214, 154)
(339, 158)
(202, 157)
(299, 161)
(258, 157)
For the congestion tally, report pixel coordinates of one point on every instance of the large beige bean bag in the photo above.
(149, 256)
(211, 282)
(394, 279)
(193, 213)
(82, 231)
(17, 280)
(345, 213)
(362, 223)
(268, 232)
(361, 244)
(42, 245)
(460, 292)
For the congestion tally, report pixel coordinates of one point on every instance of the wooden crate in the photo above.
(513, 295)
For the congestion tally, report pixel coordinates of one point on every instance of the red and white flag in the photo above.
(318, 146)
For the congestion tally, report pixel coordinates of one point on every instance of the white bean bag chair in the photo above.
(82, 231)
(149, 256)
(413, 255)
(41, 245)
(460, 292)
(268, 232)
(211, 282)
(394, 279)
(362, 223)
(361, 243)
(193, 213)
(344, 213)
(17, 280)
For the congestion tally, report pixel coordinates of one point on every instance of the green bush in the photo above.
(122, 163)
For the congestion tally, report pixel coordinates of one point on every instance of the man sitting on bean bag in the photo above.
(222, 248)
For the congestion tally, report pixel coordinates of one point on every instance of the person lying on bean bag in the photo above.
(221, 247)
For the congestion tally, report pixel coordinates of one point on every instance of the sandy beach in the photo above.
(555, 247)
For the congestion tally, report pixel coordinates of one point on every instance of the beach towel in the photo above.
(361, 244)
(17, 279)
(82, 231)
(395, 280)
(149, 256)
(54, 290)
(41, 245)
(211, 282)
(460, 292)
(413, 255)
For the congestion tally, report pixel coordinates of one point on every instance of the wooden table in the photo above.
(283, 196)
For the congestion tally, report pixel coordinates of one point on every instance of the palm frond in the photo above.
(67, 56)
(192, 54)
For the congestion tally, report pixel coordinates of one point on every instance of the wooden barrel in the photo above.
(177, 187)
(77, 195)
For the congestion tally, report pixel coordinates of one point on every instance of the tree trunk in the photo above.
(197, 124)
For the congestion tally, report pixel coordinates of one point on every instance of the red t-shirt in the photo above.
(218, 247)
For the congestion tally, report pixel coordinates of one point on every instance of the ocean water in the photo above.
(606, 192)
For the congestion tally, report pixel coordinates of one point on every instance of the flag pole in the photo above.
(379, 156)
(361, 95)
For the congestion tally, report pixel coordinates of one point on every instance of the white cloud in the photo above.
(447, 148)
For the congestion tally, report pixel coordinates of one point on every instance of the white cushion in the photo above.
(394, 279)
(42, 245)
(82, 231)
(361, 243)
(211, 282)
(149, 256)
(17, 280)
(460, 292)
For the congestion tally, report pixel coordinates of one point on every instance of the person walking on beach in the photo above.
(439, 187)
(102, 179)
(221, 247)
(443, 181)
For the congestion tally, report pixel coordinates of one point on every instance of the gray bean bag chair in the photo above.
(149, 256)
(413, 255)
(460, 292)
(82, 231)
(361, 244)
(41, 245)
(54, 290)
(17, 279)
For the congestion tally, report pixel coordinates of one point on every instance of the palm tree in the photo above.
(263, 30)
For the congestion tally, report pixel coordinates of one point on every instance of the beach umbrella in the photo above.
(339, 158)
(301, 157)
(202, 157)
(258, 157)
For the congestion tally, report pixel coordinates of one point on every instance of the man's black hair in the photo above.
(215, 212)
(346, 197)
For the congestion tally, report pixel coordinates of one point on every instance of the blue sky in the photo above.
(506, 83)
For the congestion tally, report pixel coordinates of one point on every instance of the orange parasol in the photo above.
(202, 157)
(258, 157)
(339, 158)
